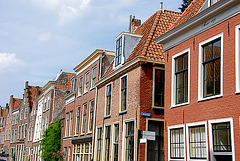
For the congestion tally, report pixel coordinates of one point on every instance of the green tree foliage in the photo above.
(185, 5)
(51, 142)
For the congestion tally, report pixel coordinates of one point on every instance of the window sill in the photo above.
(75, 136)
(92, 88)
(85, 92)
(108, 116)
(237, 92)
(122, 112)
(89, 133)
(79, 95)
(181, 104)
(209, 98)
(157, 108)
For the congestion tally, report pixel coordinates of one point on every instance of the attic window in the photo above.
(118, 51)
(212, 2)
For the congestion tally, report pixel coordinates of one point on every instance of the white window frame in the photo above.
(123, 138)
(82, 89)
(85, 82)
(173, 95)
(169, 146)
(120, 97)
(223, 120)
(122, 57)
(96, 141)
(66, 124)
(113, 136)
(92, 82)
(106, 99)
(77, 124)
(195, 124)
(104, 141)
(153, 86)
(48, 103)
(70, 123)
(89, 112)
(237, 57)
(200, 68)
(85, 104)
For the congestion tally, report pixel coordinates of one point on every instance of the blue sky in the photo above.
(38, 38)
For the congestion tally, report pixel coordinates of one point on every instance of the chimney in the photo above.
(135, 23)
(26, 84)
(161, 6)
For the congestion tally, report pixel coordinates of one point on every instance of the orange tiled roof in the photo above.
(189, 12)
(68, 87)
(155, 26)
(16, 102)
(3, 112)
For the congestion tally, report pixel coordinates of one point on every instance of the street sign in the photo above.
(145, 114)
(149, 135)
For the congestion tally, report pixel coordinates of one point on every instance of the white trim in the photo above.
(123, 138)
(223, 120)
(153, 85)
(237, 57)
(200, 69)
(96, 141)
(93, 85)
(169, 149)
(49, 89)
(104, 140)
(87, 66)
(89, 112)
(113, 136)
(85, 89)
(120, 87)
(195, 124)
(122, 57)
(78, 85)
(69, 100)
(173, 93)
(106, 99)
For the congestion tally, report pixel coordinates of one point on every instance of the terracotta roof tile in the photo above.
(189, 12)
(16, 102)
(3, 112)
(155, 26)
(68, 86)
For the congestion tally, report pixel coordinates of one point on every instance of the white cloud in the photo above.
(44, 36)
(9, 62)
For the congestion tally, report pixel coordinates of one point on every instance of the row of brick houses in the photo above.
(169, 91)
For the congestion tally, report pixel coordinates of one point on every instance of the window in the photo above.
(221, 139)
(69, 152)
(25, 132)
(45, 105)
(86, 82)
(158, 87)
(237, 55)
(90, 126)
(46, 122)
(212, 2)
(211, 65)
(65, 153)
(48, 103)
(82, 151)
(70, 123)
(73, 85)
(129, 141)
(123, 93)
(26, 110)
(84, 117)
(177, 143)
(77, 121)
(16, 119)
(197, 142)
(118, 52)
(13, 121)
(155, 149)
(210, 68)
(21, 114)
(29, 133)
(108, 99)
(99, 139)
(181, 78)
(94, 75)
(115, 142)
(80, 86)
(66, 128)
(107, 142)
(43, 125)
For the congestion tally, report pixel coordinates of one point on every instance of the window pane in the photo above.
(207, 52)
(222, 137)
(177, 143)
(159, 88)
(217, 48)
(179, 64)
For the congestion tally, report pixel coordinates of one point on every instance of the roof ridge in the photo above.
(151, 33)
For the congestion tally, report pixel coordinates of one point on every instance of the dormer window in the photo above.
(212, 2)
(118, 52)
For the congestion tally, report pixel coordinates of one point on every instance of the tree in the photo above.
(51, 142)
(185, 5)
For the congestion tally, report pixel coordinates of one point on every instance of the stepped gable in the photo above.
(189, 12)
(16, 102)
(32, 93)
(156, 25)
(64, 81)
